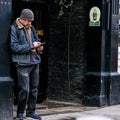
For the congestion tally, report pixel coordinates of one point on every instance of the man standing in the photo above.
(26, 48)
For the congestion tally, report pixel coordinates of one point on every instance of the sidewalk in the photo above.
(77, 112)
(110, 113)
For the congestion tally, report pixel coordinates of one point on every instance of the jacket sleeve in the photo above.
(15, 45)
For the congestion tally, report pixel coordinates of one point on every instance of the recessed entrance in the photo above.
(41, 25)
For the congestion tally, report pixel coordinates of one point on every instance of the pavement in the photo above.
(54, 110)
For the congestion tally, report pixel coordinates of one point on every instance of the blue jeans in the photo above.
(28, 82)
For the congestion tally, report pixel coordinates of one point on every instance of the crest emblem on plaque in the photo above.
(94, 15)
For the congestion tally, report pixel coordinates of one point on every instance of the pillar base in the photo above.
(101, 89)
(6, 98)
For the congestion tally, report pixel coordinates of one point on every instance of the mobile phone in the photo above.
(43, 43)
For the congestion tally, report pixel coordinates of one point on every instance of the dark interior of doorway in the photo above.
(40, 23)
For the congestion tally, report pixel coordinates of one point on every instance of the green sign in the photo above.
(94, 16)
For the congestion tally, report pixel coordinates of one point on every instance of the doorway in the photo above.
(41, 25)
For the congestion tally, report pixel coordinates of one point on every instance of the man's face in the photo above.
(26, 23)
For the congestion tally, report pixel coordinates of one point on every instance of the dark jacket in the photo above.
(20, 44)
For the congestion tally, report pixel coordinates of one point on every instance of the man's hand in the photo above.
(36, 44)
(40, 49)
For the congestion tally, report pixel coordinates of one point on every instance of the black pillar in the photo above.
(6, 92)
(102, 85)
(114, 88)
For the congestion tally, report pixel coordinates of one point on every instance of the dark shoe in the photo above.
(20, 116)
(34, 116)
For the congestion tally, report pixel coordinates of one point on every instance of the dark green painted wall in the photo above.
(66, 52)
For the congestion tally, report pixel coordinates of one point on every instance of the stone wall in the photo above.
(66, 52)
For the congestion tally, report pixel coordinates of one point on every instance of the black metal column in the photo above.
(102, 51)
(6, 83)
(114, 88)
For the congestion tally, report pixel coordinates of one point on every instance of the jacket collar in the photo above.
(19, 24)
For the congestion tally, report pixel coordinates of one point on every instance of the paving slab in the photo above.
(76, 112)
